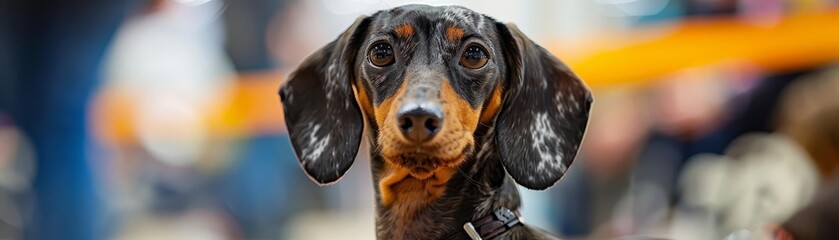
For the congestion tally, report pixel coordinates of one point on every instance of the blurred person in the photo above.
(180, 165)
(167, 68)
(813, 120)
(54, 50)
(810, 116)
(764, 178)
(690, 113)
(751, 112)
(165, 71)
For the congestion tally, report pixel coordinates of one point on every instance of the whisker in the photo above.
(476, 183)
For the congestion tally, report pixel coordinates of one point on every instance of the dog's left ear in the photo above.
(544, 112)
(323, 119)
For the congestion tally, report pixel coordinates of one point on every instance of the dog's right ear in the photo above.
(323, 119)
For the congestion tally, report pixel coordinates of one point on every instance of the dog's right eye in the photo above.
(381, 54)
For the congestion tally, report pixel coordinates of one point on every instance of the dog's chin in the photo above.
(415, 177)
(419, 174)
(415, 184)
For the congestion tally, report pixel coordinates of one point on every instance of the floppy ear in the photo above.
(322, 116)
(544, 113)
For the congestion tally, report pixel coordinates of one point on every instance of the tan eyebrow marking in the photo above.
(404, 31)
(454, 33)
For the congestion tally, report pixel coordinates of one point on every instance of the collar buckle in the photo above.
(492, 225)
(470, 230)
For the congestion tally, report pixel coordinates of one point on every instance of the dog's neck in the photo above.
(480, 187)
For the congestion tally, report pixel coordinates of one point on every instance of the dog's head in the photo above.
(426, 78)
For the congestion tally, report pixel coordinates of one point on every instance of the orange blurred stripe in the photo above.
(639, 57)
(796, 42)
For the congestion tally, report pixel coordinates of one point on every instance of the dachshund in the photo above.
(458, 108)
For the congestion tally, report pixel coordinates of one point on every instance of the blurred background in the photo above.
(159, 119)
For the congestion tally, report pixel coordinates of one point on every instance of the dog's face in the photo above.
(426, 78)
(427, 83)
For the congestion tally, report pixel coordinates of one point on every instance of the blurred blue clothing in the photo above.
(265, 187)
(56, 48)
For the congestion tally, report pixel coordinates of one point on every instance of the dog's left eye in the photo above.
(474, 57)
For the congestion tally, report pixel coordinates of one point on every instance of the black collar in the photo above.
(489, 226)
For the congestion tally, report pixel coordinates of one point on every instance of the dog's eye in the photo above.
(474, 57)
(381, 54)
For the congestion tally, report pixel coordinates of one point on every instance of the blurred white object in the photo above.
(171, 128)
(359, 225)
(193, 225)
(174, 64)
(762, 179)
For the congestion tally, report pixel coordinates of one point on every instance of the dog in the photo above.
(459, 108)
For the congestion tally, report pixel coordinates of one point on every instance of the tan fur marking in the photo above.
(363, 100)
(465, 115)
(454, 33)
(385, 114)
(392, 175)
(405, 31)
(407, 193)
(492, 106)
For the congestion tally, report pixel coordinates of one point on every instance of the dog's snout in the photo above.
(419, 121)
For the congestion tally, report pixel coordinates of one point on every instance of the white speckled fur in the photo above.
(542, 132)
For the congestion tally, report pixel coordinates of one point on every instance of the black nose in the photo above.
(420, 121)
